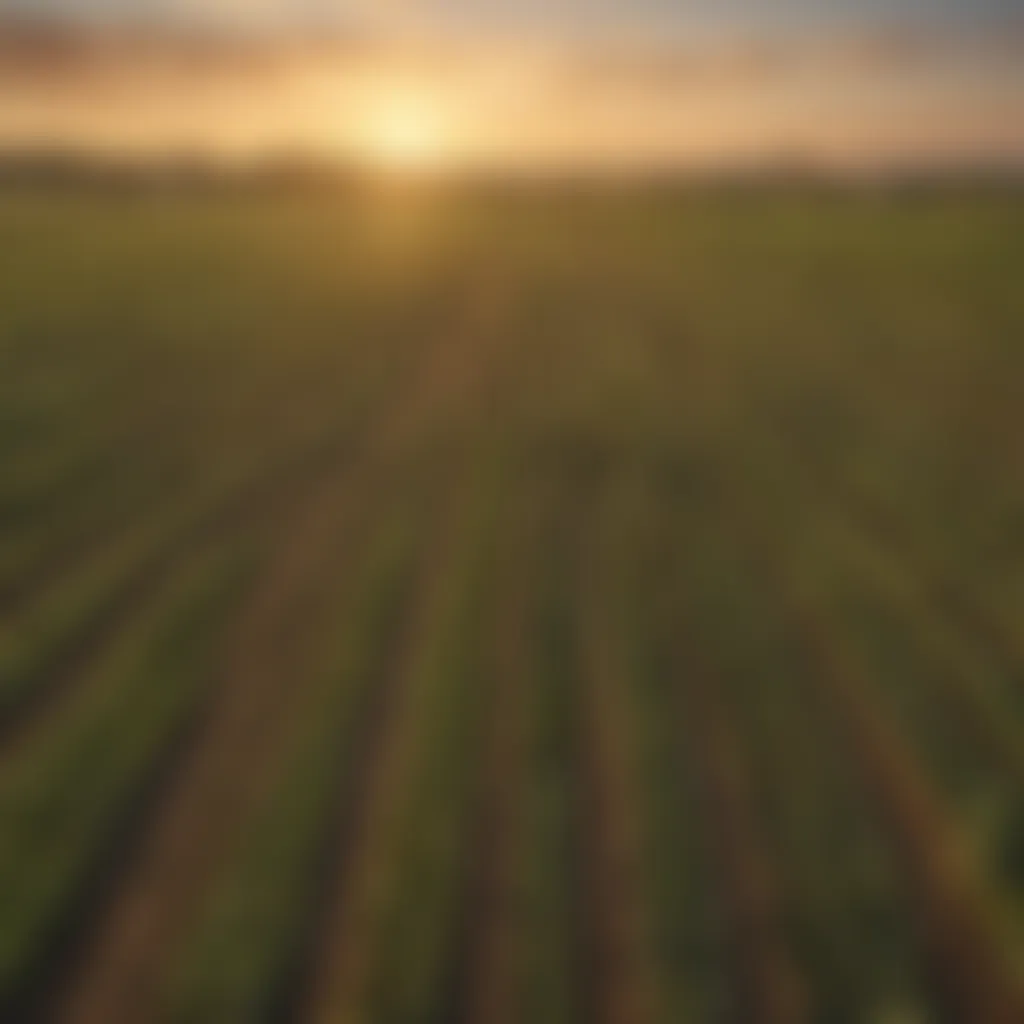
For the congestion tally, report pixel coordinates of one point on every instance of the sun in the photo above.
(404, 133)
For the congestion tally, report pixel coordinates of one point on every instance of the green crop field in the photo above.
(511, 606)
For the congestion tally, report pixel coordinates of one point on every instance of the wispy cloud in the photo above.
(850, 99)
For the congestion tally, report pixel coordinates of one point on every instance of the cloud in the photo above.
(851, 99)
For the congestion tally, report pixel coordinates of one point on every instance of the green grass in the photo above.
(808, 405)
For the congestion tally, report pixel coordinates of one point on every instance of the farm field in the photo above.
(525, 606)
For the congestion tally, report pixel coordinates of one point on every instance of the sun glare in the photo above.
(405, 133)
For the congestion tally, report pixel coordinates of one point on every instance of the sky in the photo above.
(575, 19)
(854, 84)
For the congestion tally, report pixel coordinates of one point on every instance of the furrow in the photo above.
(342, 974)
(485, 972)
(226, 770)
(970, 962)
(770, 985)
(623, 987)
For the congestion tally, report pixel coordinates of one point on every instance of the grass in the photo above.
(759, 453)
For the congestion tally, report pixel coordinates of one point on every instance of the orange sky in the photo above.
(866, 100)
